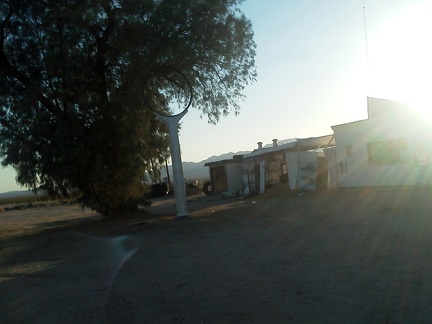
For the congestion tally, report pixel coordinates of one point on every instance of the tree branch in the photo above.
(102, 46)
(8, 70)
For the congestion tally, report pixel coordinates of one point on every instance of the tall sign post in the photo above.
(179, 183)
(162, 87)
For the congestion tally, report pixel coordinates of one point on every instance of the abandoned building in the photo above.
(391, 147)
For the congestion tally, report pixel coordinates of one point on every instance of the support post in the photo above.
(179, 183)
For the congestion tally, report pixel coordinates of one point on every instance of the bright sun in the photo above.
(401, 59)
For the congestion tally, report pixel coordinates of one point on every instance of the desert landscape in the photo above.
(346, 255)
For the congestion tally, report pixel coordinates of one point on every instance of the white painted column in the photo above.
(179, 182)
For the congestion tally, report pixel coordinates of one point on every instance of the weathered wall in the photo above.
(405, 146)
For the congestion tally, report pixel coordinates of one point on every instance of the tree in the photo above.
(71, 109)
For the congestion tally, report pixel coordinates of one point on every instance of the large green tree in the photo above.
(72, 115)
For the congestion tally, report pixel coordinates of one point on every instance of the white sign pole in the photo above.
(179, 182)
(173, 121)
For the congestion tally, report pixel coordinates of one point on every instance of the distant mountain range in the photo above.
(16, 193)
(191, 171)
(197, 170)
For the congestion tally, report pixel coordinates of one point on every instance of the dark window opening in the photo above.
(387, 152)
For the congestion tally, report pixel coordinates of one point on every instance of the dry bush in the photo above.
(1, 209)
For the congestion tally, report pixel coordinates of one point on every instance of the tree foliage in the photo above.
(71, 109)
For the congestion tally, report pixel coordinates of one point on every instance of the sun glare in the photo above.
(401, 59)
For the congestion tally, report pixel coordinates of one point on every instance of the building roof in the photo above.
(235, 159)
(280, 142)
(301, 144)
(349, 123)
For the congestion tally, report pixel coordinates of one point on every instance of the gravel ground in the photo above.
(354, 256)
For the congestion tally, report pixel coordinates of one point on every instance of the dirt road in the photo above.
(340, 256)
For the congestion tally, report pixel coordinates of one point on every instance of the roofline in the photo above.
(349, 123)
(298, 144)
(235, 159)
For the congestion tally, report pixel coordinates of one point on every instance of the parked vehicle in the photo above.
(159, 190)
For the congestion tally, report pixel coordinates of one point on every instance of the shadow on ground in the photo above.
(336, 256)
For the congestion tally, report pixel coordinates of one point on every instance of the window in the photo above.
(387, 152)
(421, 155)
(348, 150)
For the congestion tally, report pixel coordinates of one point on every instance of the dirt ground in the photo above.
(353, 256)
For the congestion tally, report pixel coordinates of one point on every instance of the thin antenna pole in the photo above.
(366, 40)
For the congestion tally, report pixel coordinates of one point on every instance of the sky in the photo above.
(317, 62)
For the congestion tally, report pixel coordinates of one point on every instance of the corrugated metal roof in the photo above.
(281, 142)
(235, 159)
(303, 144)
(312, 143)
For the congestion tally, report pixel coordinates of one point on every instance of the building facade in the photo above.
(390, 148)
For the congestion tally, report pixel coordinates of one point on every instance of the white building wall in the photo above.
(234, 177)
(330, 154)
(292, 164)
(354, 167)
(308, 167)
(302, 169)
